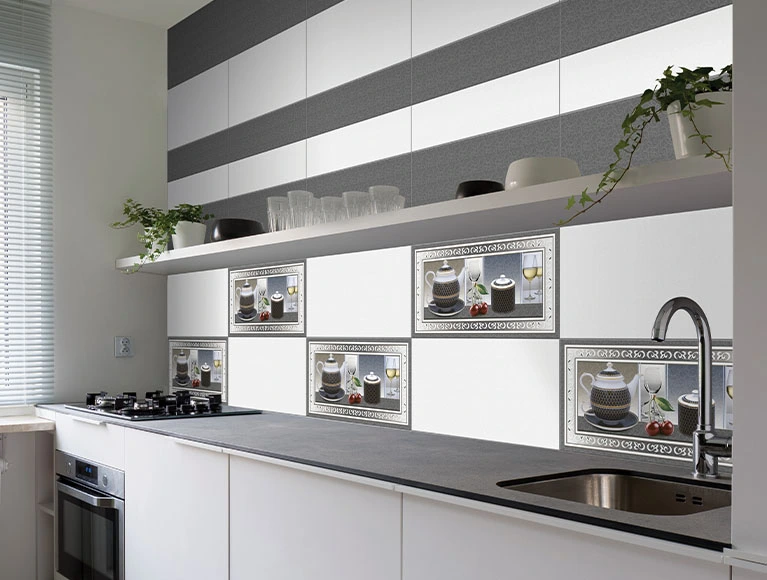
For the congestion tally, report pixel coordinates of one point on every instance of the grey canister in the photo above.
(503, 292)
(372, 386)
(278, 305)
(688, 412)
(205, 375)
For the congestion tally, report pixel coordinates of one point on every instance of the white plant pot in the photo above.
(715, 121)
(188, 234)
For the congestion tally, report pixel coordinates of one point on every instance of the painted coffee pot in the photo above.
(609, 395)
(444, 284)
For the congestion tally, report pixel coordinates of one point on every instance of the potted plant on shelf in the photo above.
(699, 109)
(184, 225)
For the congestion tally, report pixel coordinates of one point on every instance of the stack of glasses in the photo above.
(301, 208)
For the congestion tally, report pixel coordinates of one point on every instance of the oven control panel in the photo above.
(102, 477)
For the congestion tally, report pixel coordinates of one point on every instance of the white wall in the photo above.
(613, 279)
(749, 513)
(109, 144)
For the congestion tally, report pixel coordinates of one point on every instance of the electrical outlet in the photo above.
(123, 346)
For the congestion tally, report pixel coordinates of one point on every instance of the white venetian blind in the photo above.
(26, 203)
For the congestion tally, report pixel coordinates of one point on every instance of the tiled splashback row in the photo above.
(613, 277)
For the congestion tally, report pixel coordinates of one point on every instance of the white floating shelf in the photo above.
(661, 188)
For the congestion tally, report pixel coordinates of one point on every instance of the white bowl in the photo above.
(535, 170)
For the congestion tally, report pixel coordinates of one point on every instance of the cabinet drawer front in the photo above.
(91, 439)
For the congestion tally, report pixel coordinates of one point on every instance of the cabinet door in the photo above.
(91, 438)
(290, 524)
(455, 543)
(176, 510)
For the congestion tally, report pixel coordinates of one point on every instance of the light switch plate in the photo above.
(123, 346)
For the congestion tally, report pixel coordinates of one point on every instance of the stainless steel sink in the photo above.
(630, 492)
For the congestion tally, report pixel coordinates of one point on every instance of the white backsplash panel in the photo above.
(615, 391)
(268, 373)
(487, 287)
(360, 295)
(365, 382)
(267, 300)
(498, 389)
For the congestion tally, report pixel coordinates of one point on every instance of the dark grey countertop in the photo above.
(468, 468)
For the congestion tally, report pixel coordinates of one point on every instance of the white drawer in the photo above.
(92, 439)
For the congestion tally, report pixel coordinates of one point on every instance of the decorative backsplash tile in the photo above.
(487, 287)
(199, 366)
(267, 300)
(614, 392)
(367, 382)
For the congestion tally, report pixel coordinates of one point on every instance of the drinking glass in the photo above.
(292, 288)
(332, 208)
(399, 202)
(301, 206)
(357, 203)
(384, 197)
(530, 266)
(391, 365)
(317, 216)
(278, 210)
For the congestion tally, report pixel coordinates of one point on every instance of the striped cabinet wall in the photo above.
(265, 96)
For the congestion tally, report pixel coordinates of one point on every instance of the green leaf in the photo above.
(570, 202)
(664, 404)
(622, 144)
(482, 289)
(266, 301)
(585, 198)
(356, 382)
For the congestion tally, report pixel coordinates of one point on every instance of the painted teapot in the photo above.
(609, 395)
(330, 375)
(445, 287)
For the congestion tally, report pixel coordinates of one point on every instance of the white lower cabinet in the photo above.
(176, 509)
(450, 542)
(287, 524)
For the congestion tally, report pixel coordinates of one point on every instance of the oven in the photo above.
(90, 520)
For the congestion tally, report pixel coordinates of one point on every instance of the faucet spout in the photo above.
(708, 446)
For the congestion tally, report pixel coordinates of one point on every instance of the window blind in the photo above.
(26, 203)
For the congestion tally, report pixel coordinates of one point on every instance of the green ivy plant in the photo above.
(681, 86)
(158, 226)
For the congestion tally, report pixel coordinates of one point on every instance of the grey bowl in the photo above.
(231, 228)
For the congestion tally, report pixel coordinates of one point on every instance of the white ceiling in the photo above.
(163, 13)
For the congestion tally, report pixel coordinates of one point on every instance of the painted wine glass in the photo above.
(530, 265)
(391, 365)
(292, 288)
(473, 274)
(730, 390)
(539, 275)
(351, 369)
(217, 366)
(653, 383)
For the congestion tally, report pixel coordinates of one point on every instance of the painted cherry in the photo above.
(667, 427)
(652, 428)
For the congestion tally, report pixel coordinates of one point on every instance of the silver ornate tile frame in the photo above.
(316, 407)
(631, 353)
(546, 326)
(206, 344)
(270, 327)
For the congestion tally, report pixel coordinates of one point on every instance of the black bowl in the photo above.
(477, 187)
(231, 228)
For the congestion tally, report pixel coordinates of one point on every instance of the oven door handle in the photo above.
(92, 500)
